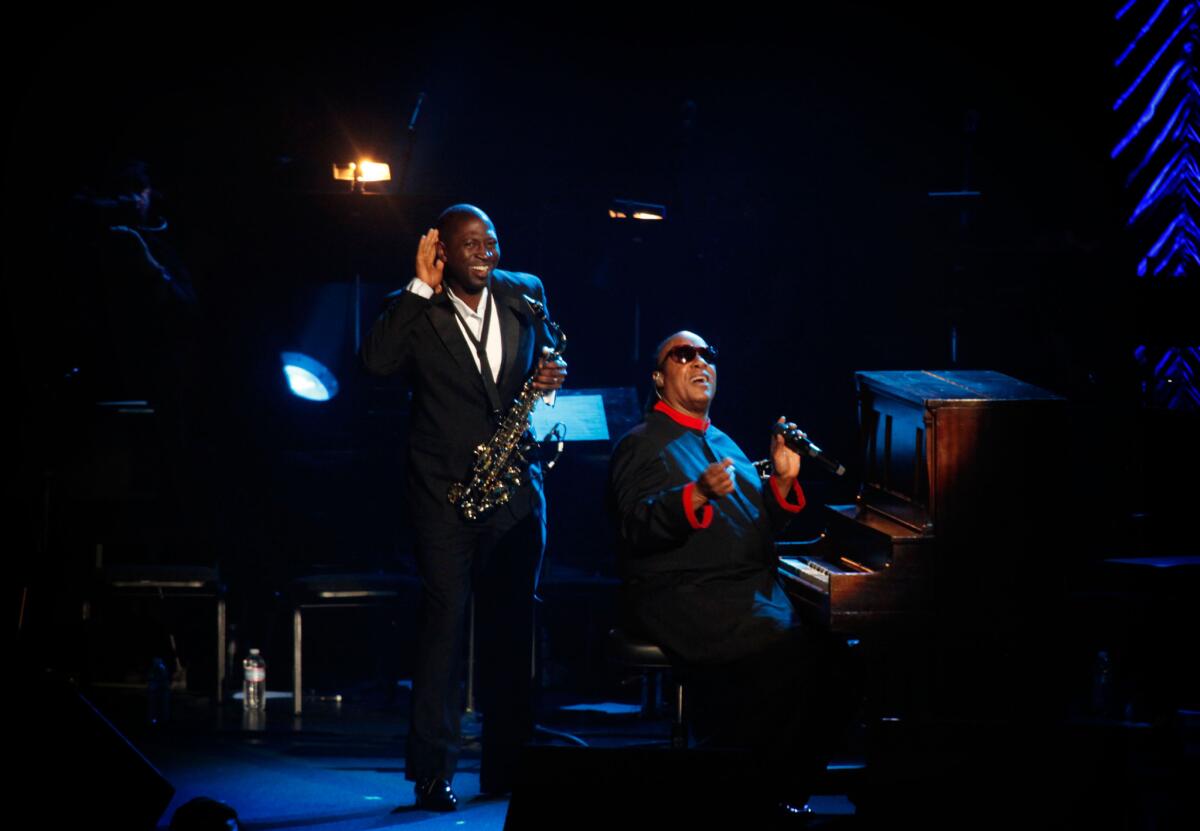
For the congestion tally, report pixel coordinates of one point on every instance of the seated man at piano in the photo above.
(696, 525)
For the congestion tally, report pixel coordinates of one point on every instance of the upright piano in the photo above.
(954, 516)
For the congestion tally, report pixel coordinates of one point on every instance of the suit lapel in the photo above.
(514, 330)
(441, 315)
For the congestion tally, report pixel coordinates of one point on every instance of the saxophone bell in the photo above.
(500, 463)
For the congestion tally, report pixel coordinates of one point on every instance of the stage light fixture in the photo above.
(307, 377)
(361, 172)
(629, 209)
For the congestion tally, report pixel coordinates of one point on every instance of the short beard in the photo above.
(461, 287)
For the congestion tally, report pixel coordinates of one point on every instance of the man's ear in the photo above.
(658, 379)
(441, 251)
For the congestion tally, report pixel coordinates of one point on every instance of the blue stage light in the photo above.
(307, 377)
(1168, 174)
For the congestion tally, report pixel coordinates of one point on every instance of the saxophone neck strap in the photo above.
(480, 344)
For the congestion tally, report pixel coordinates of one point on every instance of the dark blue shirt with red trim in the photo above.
(700, 584)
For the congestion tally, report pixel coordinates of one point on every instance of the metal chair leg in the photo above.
(297, 697)
(221, 650)
(679, 737)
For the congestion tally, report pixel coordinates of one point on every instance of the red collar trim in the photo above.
(694, 423)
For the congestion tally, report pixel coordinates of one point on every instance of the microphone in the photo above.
(799, 442)
(416, 113)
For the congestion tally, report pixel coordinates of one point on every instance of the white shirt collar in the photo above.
(465, 310)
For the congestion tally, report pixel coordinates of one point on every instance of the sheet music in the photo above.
(583, 416)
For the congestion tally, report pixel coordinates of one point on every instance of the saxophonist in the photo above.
(464, 339)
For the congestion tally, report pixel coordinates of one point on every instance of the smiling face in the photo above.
(688, 387)
(471, 252)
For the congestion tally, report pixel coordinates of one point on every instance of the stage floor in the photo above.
(340, 766)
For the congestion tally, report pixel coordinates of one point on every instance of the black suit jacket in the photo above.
(451, 415)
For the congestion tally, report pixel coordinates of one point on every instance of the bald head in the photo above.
(453, 217)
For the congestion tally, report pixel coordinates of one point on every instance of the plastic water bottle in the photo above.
(254, 681)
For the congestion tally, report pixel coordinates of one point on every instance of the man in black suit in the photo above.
(696, 527)
(465, 339)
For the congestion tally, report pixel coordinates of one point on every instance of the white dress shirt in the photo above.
(474, 322)
(495, 352)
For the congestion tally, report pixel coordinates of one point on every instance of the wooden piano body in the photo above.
(947, 557)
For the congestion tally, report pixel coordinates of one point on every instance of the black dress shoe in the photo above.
(789, 815)
(435, 795)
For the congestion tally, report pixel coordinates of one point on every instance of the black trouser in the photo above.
(499, 559)
(788, 704)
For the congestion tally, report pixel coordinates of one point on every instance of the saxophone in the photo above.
(500, 463)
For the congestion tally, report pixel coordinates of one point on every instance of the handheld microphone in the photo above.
(800, 443)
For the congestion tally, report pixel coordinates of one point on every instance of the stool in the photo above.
(329, 591)
(649, 660)
(168, 582)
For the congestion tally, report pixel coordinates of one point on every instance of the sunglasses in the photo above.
(686, 353)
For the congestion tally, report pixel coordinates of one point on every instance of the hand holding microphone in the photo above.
(798, 441)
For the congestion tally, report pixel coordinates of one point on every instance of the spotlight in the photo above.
(628, 209)
(359, 173)
(307, 377)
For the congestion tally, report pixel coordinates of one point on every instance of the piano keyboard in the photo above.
(809, 570)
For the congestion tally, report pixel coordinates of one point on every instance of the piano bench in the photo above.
(648, 660)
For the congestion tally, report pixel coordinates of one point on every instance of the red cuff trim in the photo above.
(686, 420)
(706, 513)
(783, 503)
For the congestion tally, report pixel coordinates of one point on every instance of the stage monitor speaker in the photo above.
(571, 787)
(73, 769)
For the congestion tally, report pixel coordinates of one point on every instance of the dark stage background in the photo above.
(796, 156)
